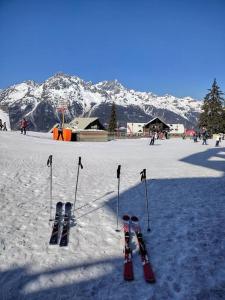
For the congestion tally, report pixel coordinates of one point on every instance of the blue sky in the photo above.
(162, 46)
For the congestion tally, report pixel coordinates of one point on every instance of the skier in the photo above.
(60, 131)
(1, 124)
(204, 138)
(4, 127)
(217, 140)
(195, 137)
(23, 126)
(152, 138)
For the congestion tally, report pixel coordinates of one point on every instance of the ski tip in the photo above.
(126, 218)
(134, 219)
(68, 204)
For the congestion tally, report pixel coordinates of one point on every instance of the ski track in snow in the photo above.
(187, 208)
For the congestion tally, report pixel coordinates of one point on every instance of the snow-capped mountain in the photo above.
(39, 102)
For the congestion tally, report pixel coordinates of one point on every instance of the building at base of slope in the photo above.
(82, 129)
(154, 125)
(177, 129)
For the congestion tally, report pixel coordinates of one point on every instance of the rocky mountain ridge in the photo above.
(39, 103)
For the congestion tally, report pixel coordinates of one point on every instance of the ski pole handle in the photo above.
(143, 174)
(49, 161)
(79, 162)
(49, 164)
(118, 171)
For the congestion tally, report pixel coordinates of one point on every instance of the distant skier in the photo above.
(183, 136)
(217, 140)
(1, 124)
(152, 138)
(23, 126)
(4, 127)
(204, 138)
(195, 137)
(60, 132)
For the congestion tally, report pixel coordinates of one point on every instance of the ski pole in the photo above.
(143, 177)
(78, 169)
(118, 197)
(49, 164)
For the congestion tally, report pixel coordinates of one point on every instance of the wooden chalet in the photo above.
(155, 125)
(79, 124)
(83, 129)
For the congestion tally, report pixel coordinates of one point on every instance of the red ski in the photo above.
(128, 266)
(147, 268)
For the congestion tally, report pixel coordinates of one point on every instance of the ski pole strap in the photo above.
(49, 161)
(118, 171)
(79, 163)
(143, 174)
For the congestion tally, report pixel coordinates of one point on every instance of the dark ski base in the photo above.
(128, 265)
(56, 225)
(66, 225)
(147, 268)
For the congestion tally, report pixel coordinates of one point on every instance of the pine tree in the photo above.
(213, 114)
(112, 122)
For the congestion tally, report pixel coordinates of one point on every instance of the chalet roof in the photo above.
(82, 123)
(154, 120)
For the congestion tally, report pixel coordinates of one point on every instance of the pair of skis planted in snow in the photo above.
(61, 225)
(62, 220)
(133, 222)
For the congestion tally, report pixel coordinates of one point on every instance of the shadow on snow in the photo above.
(186, 244)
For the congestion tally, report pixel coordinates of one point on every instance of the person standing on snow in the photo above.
(217, 140)
(23, 126)
(1, 124)
(60, 132)
(4, 127)
(204, 138)
(152, 138)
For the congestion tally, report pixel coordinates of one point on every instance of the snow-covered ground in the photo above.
(186, 188)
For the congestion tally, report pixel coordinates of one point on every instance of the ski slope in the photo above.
(187, 207)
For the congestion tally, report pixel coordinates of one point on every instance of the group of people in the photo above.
(3, 126)
(23, 126)
(204, 136)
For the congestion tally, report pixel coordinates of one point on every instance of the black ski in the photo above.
(66, 225)
(56, 225)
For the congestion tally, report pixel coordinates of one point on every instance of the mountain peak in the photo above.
(110, 85)
(38, 102)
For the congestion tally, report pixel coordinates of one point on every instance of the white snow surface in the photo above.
(186, 195)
